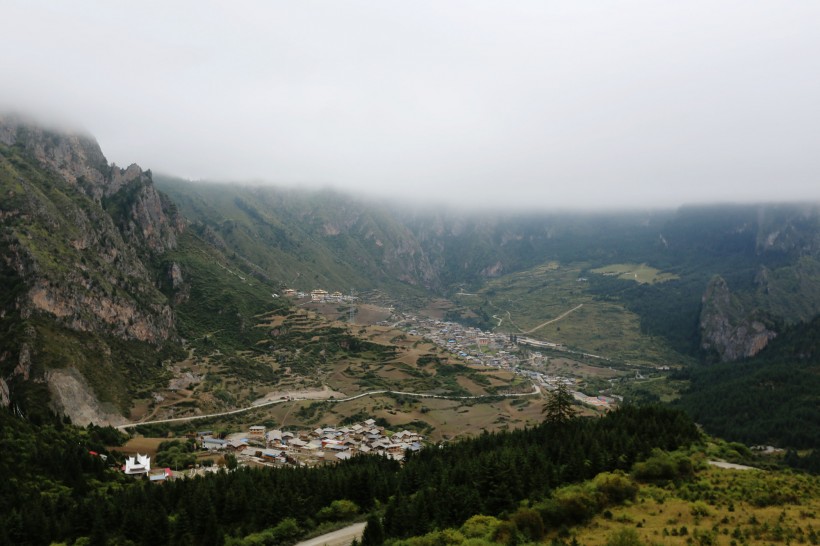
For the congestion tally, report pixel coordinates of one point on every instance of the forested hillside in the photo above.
(772, 398)
(487, 475)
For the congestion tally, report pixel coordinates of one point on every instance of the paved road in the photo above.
(536, 391)
(342, 537)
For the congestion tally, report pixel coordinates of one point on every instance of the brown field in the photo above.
(437, 308)
(272, 321)
(563, 366)
(140, 445)
(371, 314)
(366, 314)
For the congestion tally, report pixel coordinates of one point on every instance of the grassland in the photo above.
(719, 507)
(640, 273)
(552, 303)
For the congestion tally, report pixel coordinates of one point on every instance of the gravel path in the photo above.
(341, 537)
(731, 466)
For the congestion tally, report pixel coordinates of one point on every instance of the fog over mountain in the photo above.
(529, 104)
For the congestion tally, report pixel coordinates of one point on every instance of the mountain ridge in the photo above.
(111, 272)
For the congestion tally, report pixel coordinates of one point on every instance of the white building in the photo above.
(141, 464)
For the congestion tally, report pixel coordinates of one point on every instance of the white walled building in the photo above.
(140, 464)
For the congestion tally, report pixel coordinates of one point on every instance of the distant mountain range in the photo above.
(108, 272)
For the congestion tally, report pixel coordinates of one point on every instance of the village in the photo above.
(476, 346)
(259, 446)
(313, 447)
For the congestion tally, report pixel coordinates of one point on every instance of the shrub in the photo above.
(664, 467)
(480, 526)
(571, 504)
(505, 533)
(529, 523)
(338, 510)
(617, 487)
(700, 509)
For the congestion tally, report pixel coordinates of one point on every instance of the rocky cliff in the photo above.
(77, 237)
(727, 328)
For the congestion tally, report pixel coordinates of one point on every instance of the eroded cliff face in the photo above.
(77, 235)
(729, 329)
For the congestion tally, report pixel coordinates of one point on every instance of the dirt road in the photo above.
(731, 466)
(536, 391)
(556, 319)
(342, 537)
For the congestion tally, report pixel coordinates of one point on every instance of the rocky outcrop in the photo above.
(790, 230)
(143, 215)
(146, 217)
(727, 328)
(79, 239)
(77, 158)
(91, 311)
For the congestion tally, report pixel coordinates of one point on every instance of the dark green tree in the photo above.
(560, 406)
(374, 532)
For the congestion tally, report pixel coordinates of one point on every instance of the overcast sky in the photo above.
(568, 104)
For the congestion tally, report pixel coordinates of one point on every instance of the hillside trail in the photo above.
(543, 324)
(556, 319)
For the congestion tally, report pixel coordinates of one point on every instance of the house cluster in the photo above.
(496, 350)
(311, 447)
(471, 344)
(317, 295)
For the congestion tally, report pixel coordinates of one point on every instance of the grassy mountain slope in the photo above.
(306, 240)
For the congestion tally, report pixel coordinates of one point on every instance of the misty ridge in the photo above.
(524, 107)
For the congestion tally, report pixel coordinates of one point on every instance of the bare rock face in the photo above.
(182, 290)
(72, 396)
(494, 270)
(727, 328)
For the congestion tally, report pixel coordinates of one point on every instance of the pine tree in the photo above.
(560, 407)
(373, 533)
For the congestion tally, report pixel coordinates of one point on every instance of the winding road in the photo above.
(536, 391)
